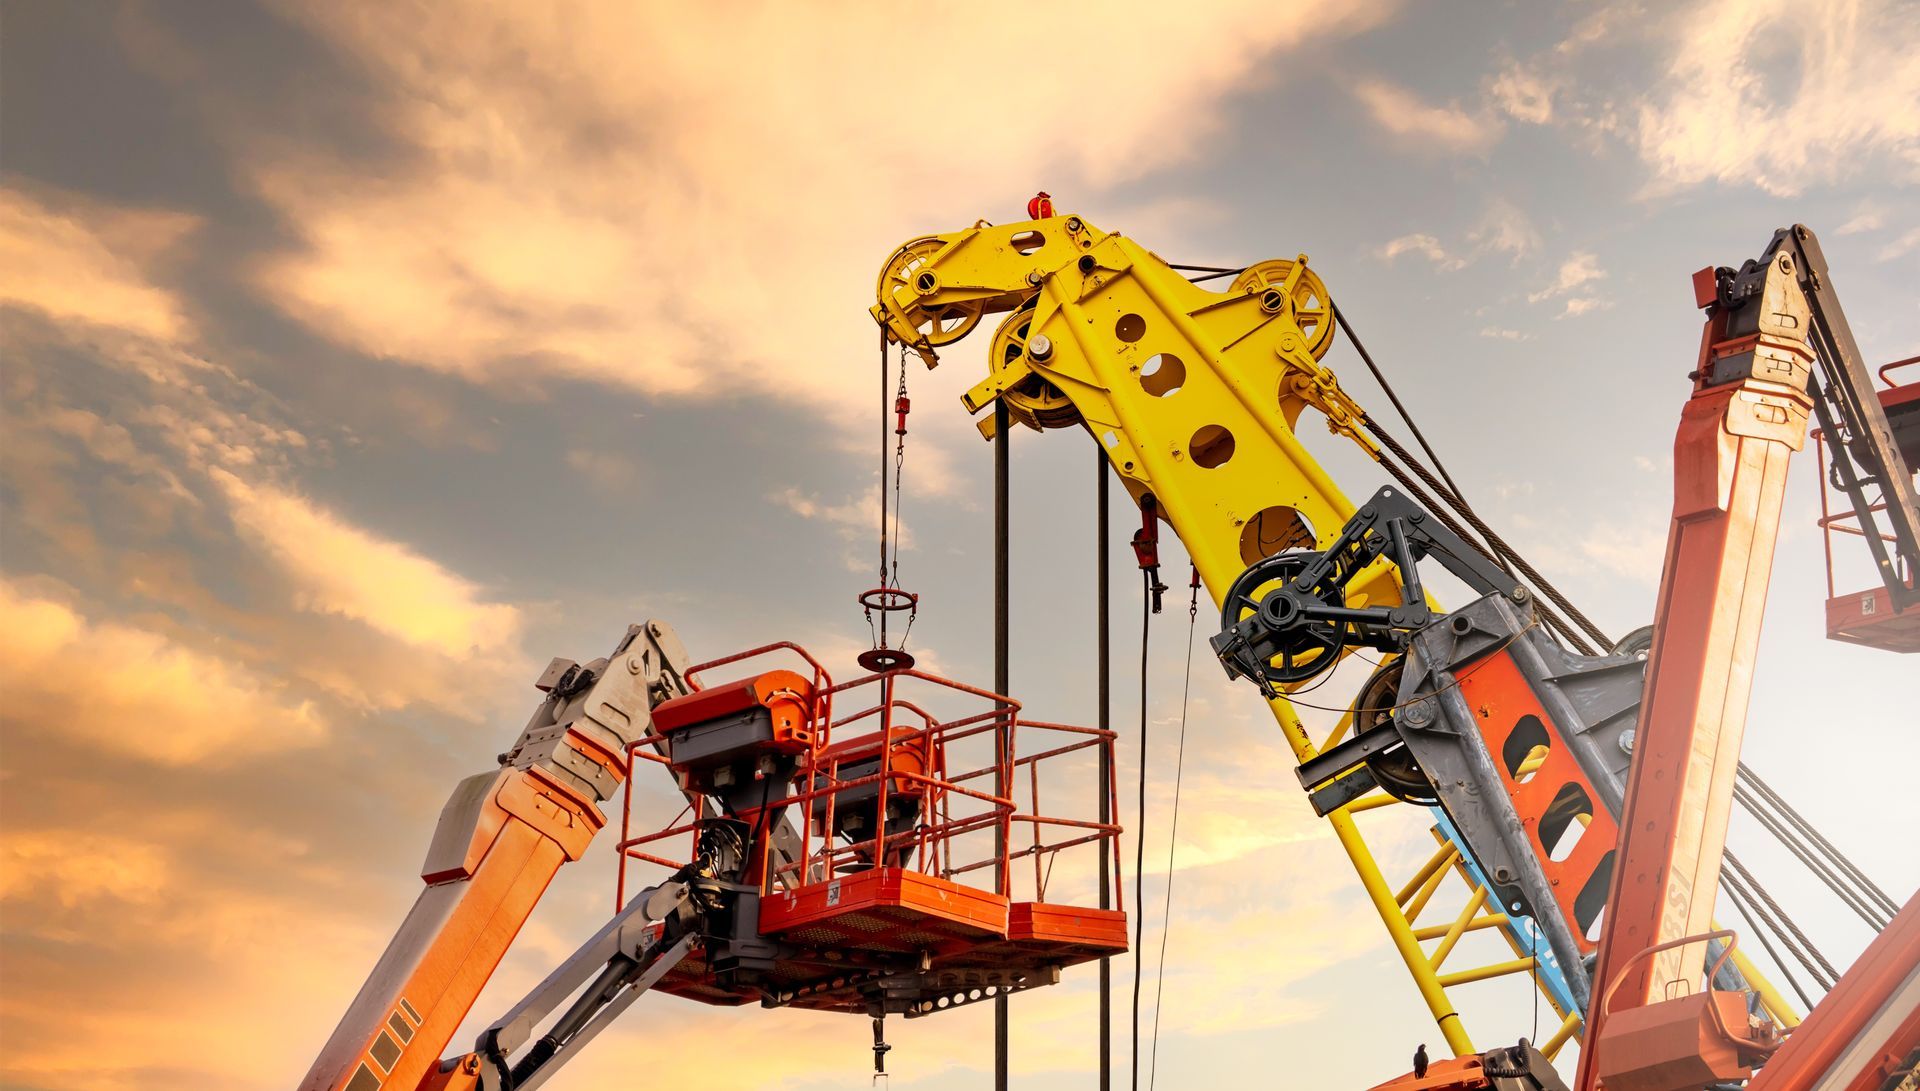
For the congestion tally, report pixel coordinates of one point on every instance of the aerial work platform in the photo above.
(902, 857)
(1871, 617)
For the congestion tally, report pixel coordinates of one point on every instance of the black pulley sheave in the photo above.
(1274, 638)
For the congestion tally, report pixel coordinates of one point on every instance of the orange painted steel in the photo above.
(652, 748)
(1466, 1073)
(1685, 1042)
(940, 896)
(1555, 801)
(1866, 1028)
(1730, 461)
(457, 932)
(787, 697)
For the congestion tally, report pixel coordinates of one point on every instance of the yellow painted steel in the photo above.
(1776, 1004)
(1458, 928)
(1195, 395)
(1442, 856)
(1418, 905)
(1436, 931)
(1339, 730)
(1568, 1027)
(1482, 973)
(1771, 999)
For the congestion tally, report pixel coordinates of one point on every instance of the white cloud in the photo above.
(1425, 246)
(1498, 333)
(1504, 228)
(1901, 246)
(1523, 94)
(856, 519)
(1784, 94)
(608, 471)
(1635, 552)
(1867, 216)
(1580, 268)
(337, 568)
(133, 437)
(1580, 305)
(1448, 128)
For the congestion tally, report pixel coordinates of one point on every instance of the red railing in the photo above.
(652, 748)
(965, 770)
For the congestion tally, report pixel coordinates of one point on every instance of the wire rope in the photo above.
(1173, 831)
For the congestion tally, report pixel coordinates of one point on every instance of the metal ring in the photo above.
(889, 599)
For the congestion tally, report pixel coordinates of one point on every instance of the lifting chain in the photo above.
(889, 597)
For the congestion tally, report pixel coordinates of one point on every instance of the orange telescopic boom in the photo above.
(501, 838)
(1774, 333)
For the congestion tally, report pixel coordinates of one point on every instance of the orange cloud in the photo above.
(75, 260)
(138, 692)
(1449, 128)
(585, 198)
(338, 568)
(143, 960)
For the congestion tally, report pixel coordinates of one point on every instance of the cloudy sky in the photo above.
(359, 357)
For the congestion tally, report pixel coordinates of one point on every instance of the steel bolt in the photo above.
(1040, 347)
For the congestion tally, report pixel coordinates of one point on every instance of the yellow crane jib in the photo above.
(1179, 383)
(1194, 395)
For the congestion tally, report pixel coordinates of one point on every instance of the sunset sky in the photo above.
(356, 358)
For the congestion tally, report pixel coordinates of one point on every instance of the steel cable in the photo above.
(1853, 900)
(1764, 921)
(1173, 832)
(1503, 554)
(1754, 925)
(1420, 437)
(1443, 497)
(1553, 620)
(1446, 488)
(1867, 886)
(1140, 834)
(1831, 975)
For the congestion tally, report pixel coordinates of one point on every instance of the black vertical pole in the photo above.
(1001, 683)
(1105, 713)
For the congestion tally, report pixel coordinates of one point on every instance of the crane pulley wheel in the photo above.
(906, 278)
(1301, 652)
(1395, 769)
(1033, 400)
(1637, 643)
(1306, 300)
